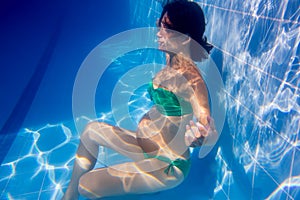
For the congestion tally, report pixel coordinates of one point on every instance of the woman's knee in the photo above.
(96, 133)
(96, 126)
(92, 128)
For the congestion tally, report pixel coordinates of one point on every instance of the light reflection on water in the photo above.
(260, 47)
(45, 160)
(259, 41)
(45, 156)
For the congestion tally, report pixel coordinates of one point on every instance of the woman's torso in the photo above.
(159, 134)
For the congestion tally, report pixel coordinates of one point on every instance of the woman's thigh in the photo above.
(121, 140)
(145, 176)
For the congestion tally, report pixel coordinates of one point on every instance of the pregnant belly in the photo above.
(156, 132)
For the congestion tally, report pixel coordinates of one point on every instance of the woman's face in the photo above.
(169, 40)
(164, 34)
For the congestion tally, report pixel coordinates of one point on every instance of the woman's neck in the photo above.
(177, 57)
(169, 58)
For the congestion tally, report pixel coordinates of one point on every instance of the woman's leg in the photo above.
(95, 134)
(144, 176)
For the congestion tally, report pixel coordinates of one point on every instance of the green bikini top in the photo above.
(168, 103)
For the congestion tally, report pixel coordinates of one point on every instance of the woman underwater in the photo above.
(159, 148)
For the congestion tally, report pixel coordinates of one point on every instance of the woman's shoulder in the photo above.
(185, 66)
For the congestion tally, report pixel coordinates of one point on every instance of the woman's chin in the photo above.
(161, 46)
(164, 48)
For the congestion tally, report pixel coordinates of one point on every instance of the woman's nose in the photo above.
(158, 34)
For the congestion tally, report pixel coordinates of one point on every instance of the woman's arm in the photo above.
(199, 100)
(193, 88)
(201, 132)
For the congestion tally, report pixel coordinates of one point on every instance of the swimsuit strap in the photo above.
(182, 164)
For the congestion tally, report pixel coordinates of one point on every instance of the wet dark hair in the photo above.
(187, 18)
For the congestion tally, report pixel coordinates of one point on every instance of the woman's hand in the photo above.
(198, 134)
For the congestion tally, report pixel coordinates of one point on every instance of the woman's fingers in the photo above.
(189, 136)
(187, 127)
(198, 134)
(202, 129)
(194, 129)
(197, 129)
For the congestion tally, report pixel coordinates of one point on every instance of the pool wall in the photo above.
(42, 47)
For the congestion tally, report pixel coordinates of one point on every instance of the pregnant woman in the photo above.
(179, 119)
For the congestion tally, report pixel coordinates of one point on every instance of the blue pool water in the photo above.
(256, 49)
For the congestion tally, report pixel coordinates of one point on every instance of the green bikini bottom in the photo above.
(182, 164)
